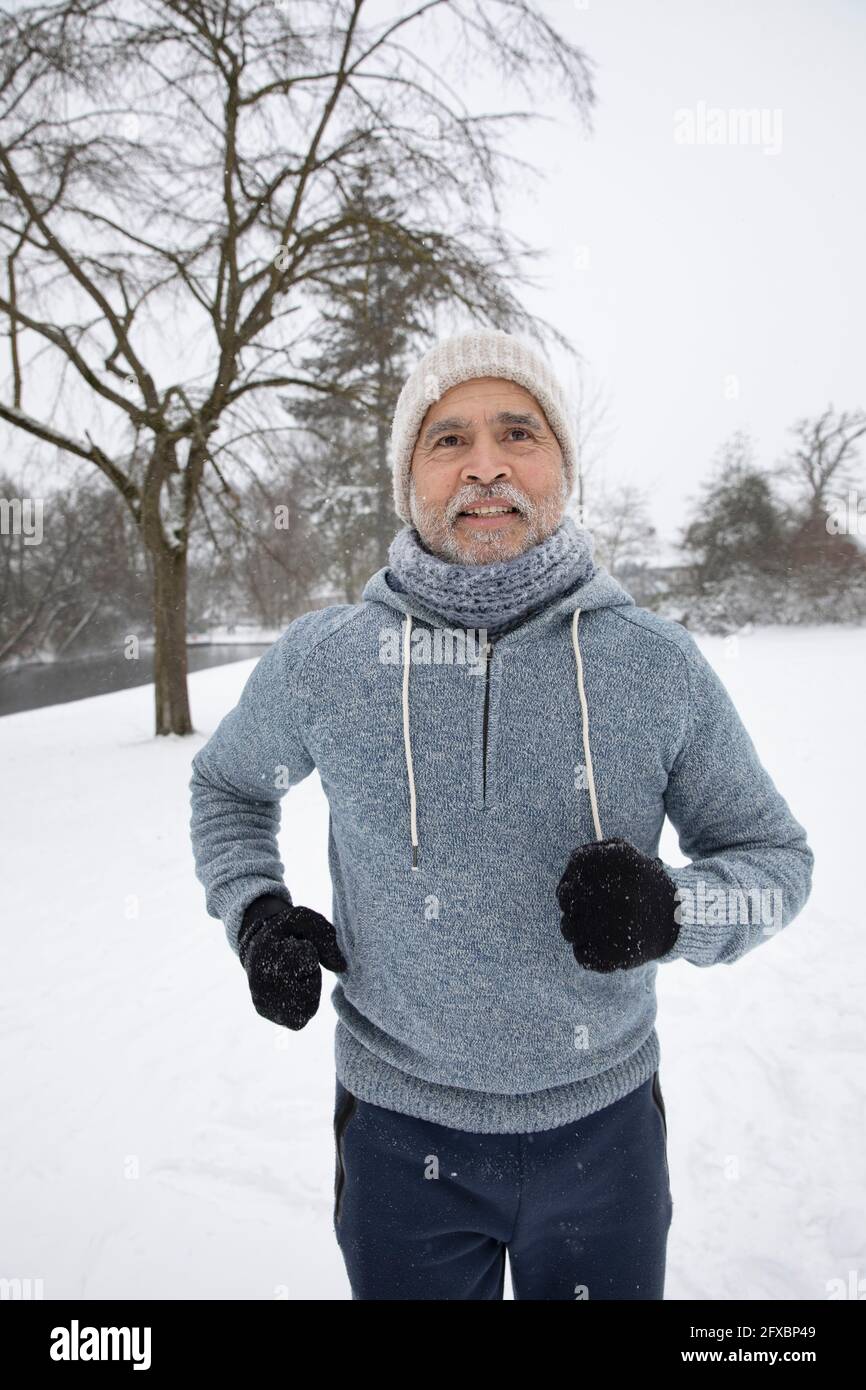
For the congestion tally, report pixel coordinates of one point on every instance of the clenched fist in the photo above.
(282, 949)
(617, 906)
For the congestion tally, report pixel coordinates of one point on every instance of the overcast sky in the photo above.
(705, 262)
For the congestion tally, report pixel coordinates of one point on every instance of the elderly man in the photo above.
(499, 912)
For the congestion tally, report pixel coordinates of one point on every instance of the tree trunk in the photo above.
(169, 627)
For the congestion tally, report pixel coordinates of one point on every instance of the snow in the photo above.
(164, 1141)
(235, 634)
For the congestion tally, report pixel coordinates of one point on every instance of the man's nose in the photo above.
(485, 467)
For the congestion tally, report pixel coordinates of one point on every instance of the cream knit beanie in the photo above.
(481, 352)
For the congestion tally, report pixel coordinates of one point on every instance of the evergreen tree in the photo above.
(739, 526)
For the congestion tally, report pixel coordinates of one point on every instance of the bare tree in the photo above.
(174, 183)
(622, 528)
(82, 579)
(824, 460)
(245, 562)
(593, 433)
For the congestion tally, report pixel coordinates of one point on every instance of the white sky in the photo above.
(704, 260)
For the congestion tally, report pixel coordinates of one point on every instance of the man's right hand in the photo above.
(282, 949)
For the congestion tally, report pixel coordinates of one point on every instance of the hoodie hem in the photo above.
(379, 1083)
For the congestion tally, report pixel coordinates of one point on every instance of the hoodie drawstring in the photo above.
(584, 720)
(407, 741)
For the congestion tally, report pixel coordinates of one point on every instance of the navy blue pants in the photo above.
(424, 1211)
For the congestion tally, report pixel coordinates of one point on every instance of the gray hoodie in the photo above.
(457, 791)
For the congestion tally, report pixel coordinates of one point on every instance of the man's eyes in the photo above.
(519, 428)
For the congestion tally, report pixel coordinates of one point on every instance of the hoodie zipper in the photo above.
(488, 652)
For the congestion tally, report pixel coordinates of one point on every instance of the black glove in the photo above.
(282, 948)
(617, 906)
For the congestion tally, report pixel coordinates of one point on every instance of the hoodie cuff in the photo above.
(703, 939)
(693, 937)
(234, 911)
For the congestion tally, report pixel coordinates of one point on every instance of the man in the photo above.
(495, 808)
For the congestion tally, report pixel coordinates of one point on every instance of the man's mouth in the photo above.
(489, 513)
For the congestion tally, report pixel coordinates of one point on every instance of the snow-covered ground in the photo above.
(161, 1140)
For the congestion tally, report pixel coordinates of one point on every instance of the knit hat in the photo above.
(481, 352)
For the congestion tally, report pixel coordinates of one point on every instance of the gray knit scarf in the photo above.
(496, 596)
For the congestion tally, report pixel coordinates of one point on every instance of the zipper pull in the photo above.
(483, 653)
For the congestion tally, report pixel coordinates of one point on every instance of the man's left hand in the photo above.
(617, 906)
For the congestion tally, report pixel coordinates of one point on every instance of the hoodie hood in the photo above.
(600, 591)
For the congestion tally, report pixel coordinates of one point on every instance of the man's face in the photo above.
(485, 444)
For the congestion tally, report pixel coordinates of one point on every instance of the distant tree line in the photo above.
(780, 545)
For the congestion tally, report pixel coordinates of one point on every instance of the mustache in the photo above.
(503, 492)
